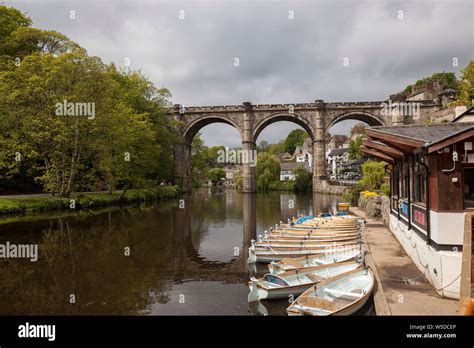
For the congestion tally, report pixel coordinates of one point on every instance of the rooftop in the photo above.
(337, 152)
(425, 133)
(288, 165)
(468, 112)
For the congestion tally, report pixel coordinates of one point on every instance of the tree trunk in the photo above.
(74, 160)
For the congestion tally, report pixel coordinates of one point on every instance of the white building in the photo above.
(335, 159)
(286, 171)
(304, 154)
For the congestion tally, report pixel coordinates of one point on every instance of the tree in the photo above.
(359, 129)
(267, 171)
(25, 41)
(11, 20)
(216, 174)
(264, 180)
(446, 79)
(263, 146)
(354, 150)
(198, 160)
(466, 89)
(294, 139)
(111, 129)
(143, 98)
(275, 149)
(373, 174)
(303, 180)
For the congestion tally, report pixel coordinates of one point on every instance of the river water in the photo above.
(171, 258)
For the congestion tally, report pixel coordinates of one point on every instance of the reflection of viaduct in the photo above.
(197, 268)
(249, 120)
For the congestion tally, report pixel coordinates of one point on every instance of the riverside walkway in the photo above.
(401, 288)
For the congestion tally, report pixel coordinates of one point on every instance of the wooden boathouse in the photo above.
(431, 171)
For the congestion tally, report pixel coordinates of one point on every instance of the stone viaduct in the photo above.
(316, 118)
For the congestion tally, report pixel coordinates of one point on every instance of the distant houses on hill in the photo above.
(337, 157)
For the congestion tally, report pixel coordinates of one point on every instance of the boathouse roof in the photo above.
(393, 142)
(469, 114)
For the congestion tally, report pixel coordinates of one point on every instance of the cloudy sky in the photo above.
(288, 51)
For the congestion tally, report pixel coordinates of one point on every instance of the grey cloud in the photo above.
(281, 60)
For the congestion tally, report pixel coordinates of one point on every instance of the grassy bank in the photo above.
(29, 204)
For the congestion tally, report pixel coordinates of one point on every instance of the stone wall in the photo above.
(385, 210)
(376, 206)
(442, 115)
(323, 186)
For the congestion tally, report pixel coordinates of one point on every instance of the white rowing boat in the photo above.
(292, 245)
(340, 295)
(300, 263)
(315, 237)
(272, 286)
(269, 255)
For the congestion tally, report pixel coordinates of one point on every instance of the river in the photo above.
(172, 258)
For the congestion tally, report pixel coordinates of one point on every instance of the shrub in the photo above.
(385, 188)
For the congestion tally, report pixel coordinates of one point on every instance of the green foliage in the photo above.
(282, 186)
(264, 180)
(238, 180)
(385, 188)
(216, 174)
(446, 79)
(267, 161)
(373, 174)
(25, 41)
(84, 200)
(126, 143)
(267, 171)
(294, 139)
(11, 19)
(203, 157)
(354, 150)
(372, 179)
(263, 146)
(352, 195)
(358, 128)
(275, 149)
(303, 181)
(466, 89)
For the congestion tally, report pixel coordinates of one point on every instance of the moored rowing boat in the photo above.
(272, 286)
(343, 294)
(303, 262)
(268, 255)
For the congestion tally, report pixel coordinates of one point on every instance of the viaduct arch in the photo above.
(250, 120)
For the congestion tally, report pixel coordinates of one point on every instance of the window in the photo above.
(396, 181)
(468, 178)
(419, 189)
(406, 180)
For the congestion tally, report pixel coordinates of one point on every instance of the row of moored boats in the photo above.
(319, 259)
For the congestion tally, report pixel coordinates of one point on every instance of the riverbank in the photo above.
(41, 203)
(402, 288)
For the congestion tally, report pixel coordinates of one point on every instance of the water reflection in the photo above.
(184, 259)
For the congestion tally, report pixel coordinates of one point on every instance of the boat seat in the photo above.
(340, 293)
(291, 262)
(314, 277)
(316, 302)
